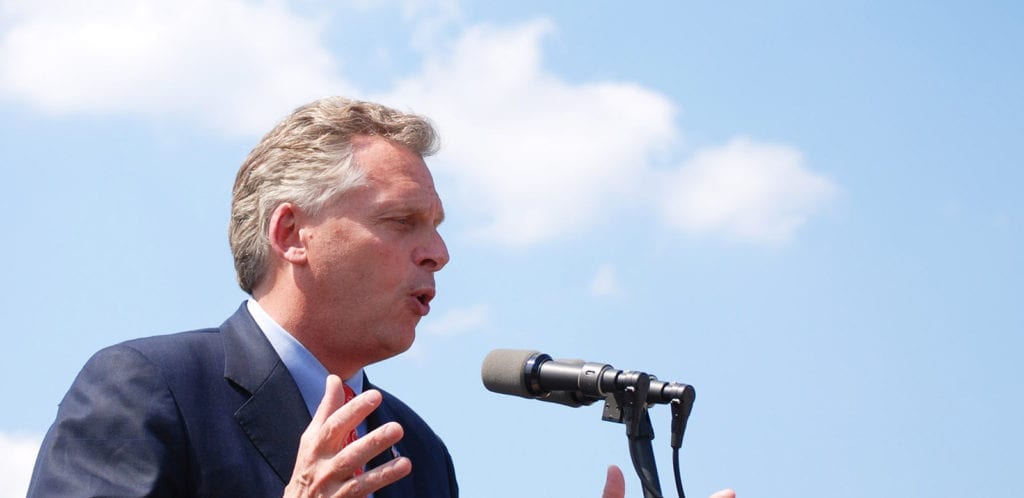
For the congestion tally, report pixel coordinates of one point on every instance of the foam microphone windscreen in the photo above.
(502, 371)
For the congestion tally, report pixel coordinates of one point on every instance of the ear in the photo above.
(284, 234)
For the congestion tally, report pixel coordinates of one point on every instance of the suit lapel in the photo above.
(275, 415)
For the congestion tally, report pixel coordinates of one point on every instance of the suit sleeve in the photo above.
(117, 433)
(453, 484)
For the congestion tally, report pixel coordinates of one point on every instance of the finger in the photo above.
(332, 433)
(725, 493)
(614, 484)
(355, 455)
(334, 397)
(313, 441)
(375, 479)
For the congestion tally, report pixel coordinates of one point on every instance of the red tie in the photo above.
(353, 435)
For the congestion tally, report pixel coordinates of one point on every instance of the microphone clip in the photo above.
(629, 405)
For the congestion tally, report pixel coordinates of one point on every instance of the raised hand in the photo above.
(326, 467)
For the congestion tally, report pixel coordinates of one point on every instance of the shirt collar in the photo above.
(309, 374)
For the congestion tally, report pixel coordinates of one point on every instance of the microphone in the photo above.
(534, 375)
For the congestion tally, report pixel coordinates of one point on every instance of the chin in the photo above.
(396, 345)
(407, 343)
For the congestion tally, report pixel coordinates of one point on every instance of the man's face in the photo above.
(372, 256)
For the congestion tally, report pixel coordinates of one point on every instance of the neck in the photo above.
(324, 342)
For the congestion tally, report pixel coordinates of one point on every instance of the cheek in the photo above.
(391, 267)
(380, 264)
(360, 261)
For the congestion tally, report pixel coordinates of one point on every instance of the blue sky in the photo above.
(807, 210)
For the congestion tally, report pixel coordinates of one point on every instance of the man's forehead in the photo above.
(398, 177)
(379, 158)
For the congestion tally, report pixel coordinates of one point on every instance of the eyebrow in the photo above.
(412, 208)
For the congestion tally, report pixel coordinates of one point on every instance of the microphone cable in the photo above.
(680, 413)
(675, 468)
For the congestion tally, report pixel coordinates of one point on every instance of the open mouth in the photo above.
(424, 296)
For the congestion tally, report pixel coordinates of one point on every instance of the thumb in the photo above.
(614, 484)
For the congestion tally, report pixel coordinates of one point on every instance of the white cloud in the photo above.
(427, 17)
(540, 158)
(605, 282)
(231, 65)
(744, 189)
(457, 321)
(17, 457)
(430, 18)
(537, 156)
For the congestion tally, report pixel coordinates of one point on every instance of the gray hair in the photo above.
(307, 160)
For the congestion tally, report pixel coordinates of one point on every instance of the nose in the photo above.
(433, 255)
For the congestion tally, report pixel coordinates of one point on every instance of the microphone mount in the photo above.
(627, 397)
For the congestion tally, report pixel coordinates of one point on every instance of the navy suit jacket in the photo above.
(210, 412)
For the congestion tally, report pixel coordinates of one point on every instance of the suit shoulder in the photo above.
(176, 346)
(175, 340)
(171, 355)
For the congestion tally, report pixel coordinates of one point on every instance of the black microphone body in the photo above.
(532, 374)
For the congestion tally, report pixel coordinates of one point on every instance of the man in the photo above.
(334, 234)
